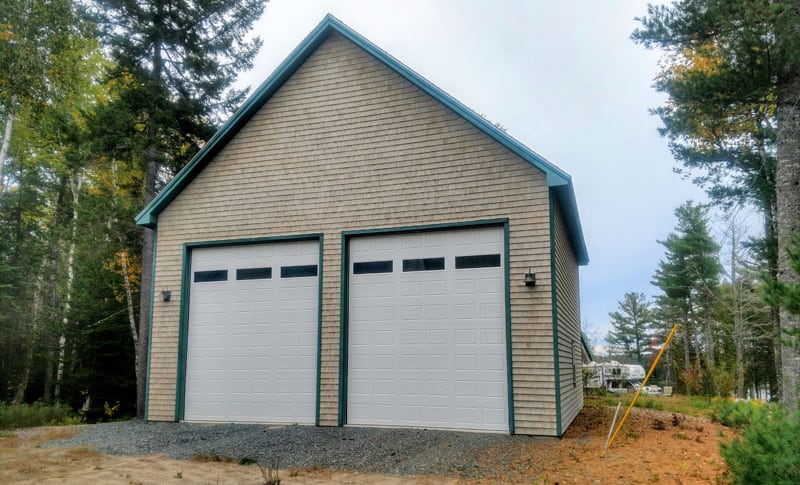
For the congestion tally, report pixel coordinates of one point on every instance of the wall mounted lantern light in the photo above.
(166, 295)
(530, 278)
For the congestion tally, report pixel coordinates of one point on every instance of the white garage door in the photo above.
(252, 339)
(426, 341)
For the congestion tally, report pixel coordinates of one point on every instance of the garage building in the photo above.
(356, 247)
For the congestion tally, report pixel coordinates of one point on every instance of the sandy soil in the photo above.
(653, 447)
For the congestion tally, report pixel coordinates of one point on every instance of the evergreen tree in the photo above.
(689, 278)
(177, 61)
(47, 81)
(734, 94)
(631, 324)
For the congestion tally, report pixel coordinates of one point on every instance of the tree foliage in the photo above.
(689, 279)
(733, 84)
(100, 103)
(766, 451)
(631, 327)
(174, 64)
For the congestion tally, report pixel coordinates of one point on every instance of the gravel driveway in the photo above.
(378, 450)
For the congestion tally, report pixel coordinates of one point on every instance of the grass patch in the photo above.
(650, 403)
(679, 404)
(36, 414)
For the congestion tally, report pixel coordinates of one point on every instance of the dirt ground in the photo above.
(654, 446)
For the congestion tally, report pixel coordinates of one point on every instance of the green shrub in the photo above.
(768, 450)
(36, 414)
(737, 414)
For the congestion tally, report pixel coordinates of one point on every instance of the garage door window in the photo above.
(211, 276)
(298, 271)
(424, 264)
(480, 261)
(254, 274)
(372, 267)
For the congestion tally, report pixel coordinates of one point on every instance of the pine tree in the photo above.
(733, 111)
(178, 61)
(689, 278)
(631, 324)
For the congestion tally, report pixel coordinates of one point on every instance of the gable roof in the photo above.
(558, 181)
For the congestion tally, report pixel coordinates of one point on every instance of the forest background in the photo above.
(102, 102)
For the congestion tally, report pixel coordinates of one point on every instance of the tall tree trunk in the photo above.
(787, 182)
(738, 313)
(711, 365)
(126, 278)
(151, 174)
(145, 293)
(770, 233)
(693, 335)
(75, 183)
(687, 353)
(131, 317)
(52, 317)
(6, 144)
(36, 310)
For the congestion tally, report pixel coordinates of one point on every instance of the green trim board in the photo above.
(183, 332)
(509, 362)
(344, 300)
(426, 227)
(150, 324)
(556, 178)
(554, 306)
(319, 330)
(344, 287)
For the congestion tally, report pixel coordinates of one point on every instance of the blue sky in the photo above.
(565, 79)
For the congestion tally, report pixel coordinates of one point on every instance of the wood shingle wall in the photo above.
(569, 322)
(347, 144)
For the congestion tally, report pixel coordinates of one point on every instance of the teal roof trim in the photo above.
(556, 178)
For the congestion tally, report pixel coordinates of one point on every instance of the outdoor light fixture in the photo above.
(166, 295)
(530, 278)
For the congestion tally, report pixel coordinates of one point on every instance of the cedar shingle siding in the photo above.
(569, 322)
(348, 144)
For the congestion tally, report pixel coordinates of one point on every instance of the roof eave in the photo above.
(565, 195)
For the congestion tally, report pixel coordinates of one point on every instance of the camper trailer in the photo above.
(613, 376)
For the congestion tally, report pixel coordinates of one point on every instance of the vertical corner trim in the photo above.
(554, 305)
(150, 326)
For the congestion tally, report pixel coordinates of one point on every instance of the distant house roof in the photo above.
(558, 180)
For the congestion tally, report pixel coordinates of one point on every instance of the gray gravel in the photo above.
(378, 450)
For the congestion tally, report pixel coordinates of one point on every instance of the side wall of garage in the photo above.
(568, 322)
(347, 144)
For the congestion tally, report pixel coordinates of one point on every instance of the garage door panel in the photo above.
(433, 333)
(252, 339)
